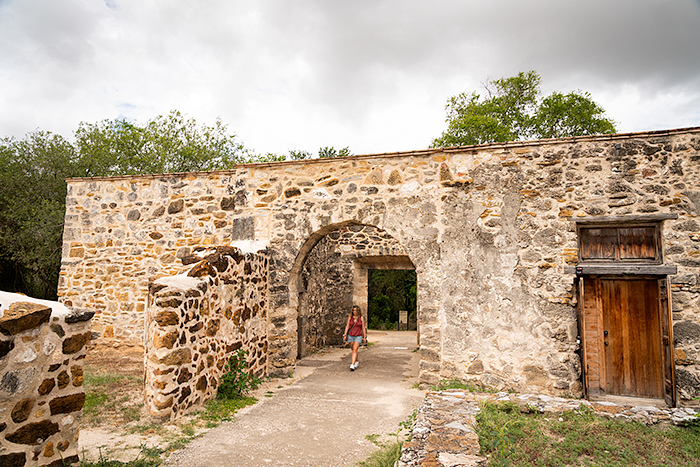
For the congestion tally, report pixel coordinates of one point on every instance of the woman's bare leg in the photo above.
(354, 346)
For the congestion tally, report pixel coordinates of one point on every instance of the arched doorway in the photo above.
(331, 274)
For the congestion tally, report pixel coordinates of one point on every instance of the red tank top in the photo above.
(355, 327)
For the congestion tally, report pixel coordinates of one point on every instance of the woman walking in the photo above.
(355, 332)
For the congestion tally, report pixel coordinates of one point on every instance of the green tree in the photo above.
(323, 153)
(330, 151)
(390, 290)
(514, 110)
(33, 172)
(32, 208)
(166, 144)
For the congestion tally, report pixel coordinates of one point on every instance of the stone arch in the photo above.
(345, 251)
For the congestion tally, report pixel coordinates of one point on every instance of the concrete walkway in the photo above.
(322, 419)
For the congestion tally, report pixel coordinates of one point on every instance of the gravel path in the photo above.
(322, 419)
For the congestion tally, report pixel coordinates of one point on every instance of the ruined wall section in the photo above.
(197, 320)
(42, 347)
(489, 229)
(328, 281)
(516, 221)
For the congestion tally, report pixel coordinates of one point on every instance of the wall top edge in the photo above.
(420, 152)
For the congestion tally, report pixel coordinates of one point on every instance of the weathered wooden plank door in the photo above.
(632, 341)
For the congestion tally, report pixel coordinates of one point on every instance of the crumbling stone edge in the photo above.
(443, 433)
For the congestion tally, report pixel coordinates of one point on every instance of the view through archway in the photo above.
(392, 299)
(335, 276)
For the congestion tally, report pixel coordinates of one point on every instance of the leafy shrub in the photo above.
(236, 381)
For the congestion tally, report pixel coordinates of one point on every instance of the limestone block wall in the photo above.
(197, 320)
(490, 230)
(42, 347)
(328, 282)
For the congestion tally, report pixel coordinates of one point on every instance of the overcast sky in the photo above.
(373, 75)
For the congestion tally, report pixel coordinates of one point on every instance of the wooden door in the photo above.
(631, 337)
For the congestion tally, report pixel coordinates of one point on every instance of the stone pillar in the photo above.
(359, 290)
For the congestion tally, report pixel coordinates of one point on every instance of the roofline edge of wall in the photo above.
(419, 152)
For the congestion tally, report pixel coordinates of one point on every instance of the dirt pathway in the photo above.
(322, 419)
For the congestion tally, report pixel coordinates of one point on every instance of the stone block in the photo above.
(176, 206)
(16, 459)
(22, 410)
(75, 343)
(22, 316)
(177, 357)
(166, 340)
(6, 346)
(167, 318)
(67, 404)
(46, 386)
(33, 433)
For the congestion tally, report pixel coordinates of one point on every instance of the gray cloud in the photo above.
(373, 75)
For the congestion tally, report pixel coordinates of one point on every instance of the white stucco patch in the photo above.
(409, 187)
(180, 281)
(321, 193)
(250, 246)
(7, 299)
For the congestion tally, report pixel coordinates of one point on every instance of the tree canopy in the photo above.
(513, 109)
(33, 172)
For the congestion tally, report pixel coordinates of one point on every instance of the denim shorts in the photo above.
(355, 339)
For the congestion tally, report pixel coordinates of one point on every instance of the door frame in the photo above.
(590, 318)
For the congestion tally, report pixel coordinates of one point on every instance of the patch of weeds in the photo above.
(385, 456)
(177, 443)
(269, 394)
(105, 398)
(236, 381)
(579, 437)
(187, 429)
(416, 385)
(373, 438)
(389, 453)
(455, 383)
(94, 402)
(149, 428)
(91, 380)
(498, 429)
(147, 457)
(221, 410)
(131, 413)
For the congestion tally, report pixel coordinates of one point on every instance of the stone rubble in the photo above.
(443, 433)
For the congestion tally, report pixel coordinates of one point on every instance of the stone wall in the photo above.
(197, 320)
(490, 230)
(42, 347)
(330, 277)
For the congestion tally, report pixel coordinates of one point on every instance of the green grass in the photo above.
(222, 410)
(92, 380)
(105, 399)
(147, 457)
(580, 438)
(458, 384)
(389, 452)
(385, 456)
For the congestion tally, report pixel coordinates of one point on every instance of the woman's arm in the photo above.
(364, 330)
(347, 325)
